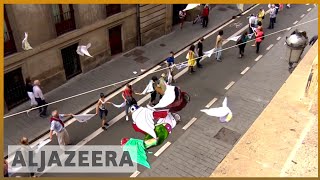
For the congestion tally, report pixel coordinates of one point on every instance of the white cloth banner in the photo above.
(167, 99)
(181, 66)
(234, 38)
(209, 53)
(25, 44)
(83, 117)
(169, 77)
(119, 106)
(223, 113)
(240, 7)
(149, 88)
(143, 118)
(169, 119)
(191, 6)
(83, 50)
(250, 35)
(32, 99)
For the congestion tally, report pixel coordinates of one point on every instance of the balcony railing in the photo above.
(65, 22)
(9, 45)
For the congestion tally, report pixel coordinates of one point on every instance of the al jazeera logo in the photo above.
(73, 159)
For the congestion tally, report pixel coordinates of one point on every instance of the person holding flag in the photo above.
(57, 126)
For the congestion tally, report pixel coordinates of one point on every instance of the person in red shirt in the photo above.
(127, 96)
(259, 37)
(205, 16)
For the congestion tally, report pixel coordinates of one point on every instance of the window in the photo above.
(9, 45)
(63, 18)
(113, 9)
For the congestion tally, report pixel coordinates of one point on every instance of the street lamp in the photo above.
(296, 43)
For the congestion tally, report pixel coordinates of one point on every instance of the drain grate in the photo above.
(228, 136)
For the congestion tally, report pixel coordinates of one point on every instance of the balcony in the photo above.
(113, 9)
(64, 22)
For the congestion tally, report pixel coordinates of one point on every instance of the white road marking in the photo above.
(288, 29)
(250, 9)
(302, 15)
(269, 47)
(309, 9)
(295, 22)
(245, 70)
(189, 123)
(229, 85)
(163, 148)
(211, 102)
(278, 38)
(135, 174)
(258, 58)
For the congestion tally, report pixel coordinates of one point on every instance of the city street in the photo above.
(207, 87)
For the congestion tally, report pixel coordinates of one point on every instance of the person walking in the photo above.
(259, 37)
(102, 110)
(182, 16)
(154, 93)
(25, 150)
(200, 52)
(272, 12)
(218, 46)
(170, 63)
(57, 126)
(127, 95)
(29, 88)
(277, 7)
(242, 43)
(253, 20)
(261, 15)
(40, 98)
(205, 16)
(259, 26)
(191, 59)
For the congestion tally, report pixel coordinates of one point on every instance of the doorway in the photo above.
(115, 40)
(175, 14)
(71, 61)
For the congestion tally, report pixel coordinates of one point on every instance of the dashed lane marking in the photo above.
(295, 22)
(135, 174)
(258, 58)
(189, 123)
(302, 15)
(278, 38)
(163, 148)
(269, 47)
(245, 70)
(229, 85)
(211, 102)
(309, 9)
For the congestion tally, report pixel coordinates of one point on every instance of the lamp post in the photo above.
(296, 43)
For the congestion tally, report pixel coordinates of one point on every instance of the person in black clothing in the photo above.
(29, 88)
(200, 52)
(277, 10)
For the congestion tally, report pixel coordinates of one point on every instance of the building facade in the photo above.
(55, 31)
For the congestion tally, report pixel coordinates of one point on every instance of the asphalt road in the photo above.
(202, 86)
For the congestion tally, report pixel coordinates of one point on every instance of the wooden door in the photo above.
(71, 61)
(115, 40)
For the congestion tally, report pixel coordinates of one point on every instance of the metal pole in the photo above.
(138, 26)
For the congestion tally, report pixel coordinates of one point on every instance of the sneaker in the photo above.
(127, 118)
(253, 45)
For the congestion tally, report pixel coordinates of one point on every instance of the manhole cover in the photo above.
(141, 59)
(222, 9)
(228, 136)
(162, 45)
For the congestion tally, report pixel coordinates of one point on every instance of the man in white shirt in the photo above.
(253, 21)
(57, 126)
(272, 12)
(38, 95)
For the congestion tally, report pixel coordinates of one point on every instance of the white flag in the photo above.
(234, 38)
(191, 6)
(223, 113)
(169, 77)
(250, 35)
(149, 88)
(83, 117)
(209, 53)
(119, 106)
(83, 50)
(43, 143)
(181, 65)
(25, 44)
(254, 29)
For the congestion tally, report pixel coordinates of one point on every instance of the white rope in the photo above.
(93, 90)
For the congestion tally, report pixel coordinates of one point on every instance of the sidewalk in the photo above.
(120, 68)
(204, 145)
